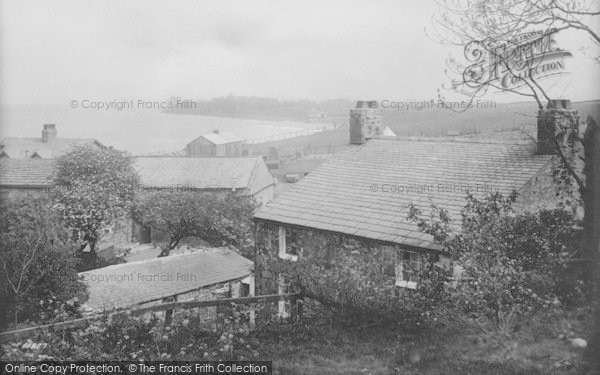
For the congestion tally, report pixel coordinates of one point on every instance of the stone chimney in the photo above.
(559, 114)
(365, 122)
(48, 132)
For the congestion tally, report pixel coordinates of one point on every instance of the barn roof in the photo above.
(221, 138)
(26, 172)
(196, 173)
(129, 284)
(17, 147)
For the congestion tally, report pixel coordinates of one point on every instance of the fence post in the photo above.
(169, 312)
(300, 306)
(293, 309)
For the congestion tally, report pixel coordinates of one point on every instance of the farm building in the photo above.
(218, 143)
(194, 276)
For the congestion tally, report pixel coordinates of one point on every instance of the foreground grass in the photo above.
(393, 350)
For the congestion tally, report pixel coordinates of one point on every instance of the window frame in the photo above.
(282, 251)
(401, 263)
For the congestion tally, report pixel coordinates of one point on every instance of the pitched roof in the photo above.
(302, 166)
(17, 147)
(196, 173)
(26, 172)
(387, 132)
(129, 284)
(221, 137)
(179, 154)
(365, 190)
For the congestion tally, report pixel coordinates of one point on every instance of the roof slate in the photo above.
(196, 173)
(222, 138)
(134, 283)
(365, 190)
(17, 147)
(26, 172)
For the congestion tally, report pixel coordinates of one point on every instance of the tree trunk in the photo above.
(591, 231)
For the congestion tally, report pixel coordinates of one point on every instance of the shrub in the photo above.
(123, 336)
(512, 263)
(38, 272)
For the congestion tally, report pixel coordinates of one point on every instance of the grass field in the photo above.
(393, 350)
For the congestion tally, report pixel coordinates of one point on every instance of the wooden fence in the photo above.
(169, 306)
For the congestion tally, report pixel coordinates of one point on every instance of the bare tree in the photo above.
(507, 44)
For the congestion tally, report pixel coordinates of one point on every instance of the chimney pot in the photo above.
(549, 120)
(48, 132)
(559, 104)
(365, 122)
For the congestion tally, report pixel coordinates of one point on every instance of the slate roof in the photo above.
(302, 166)
(221, 138)
(196, 173)
(26, 172)
(134, 283)
(16, 147)
(365, 190)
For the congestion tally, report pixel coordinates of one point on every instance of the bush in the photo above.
(123, 336)
(512, 263)
(38, 277)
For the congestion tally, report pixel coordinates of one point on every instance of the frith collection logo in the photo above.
(508, 65)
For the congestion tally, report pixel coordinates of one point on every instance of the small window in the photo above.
(285, 251)
(408, 266)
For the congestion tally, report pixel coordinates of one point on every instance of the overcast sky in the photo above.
(54, 51)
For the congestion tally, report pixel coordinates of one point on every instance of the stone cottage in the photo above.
(364, 192)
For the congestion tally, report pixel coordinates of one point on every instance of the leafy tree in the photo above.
(512, 263)
(94, 188)
(38, 268)
(221, 221)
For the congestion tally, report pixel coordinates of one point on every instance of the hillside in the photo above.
(482, 123)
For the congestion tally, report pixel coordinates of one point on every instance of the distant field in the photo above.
(434, 122)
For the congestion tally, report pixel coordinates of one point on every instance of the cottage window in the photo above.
(284, 251)
(408, 265)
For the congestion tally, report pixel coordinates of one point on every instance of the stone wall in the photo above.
(540, 191)
(331, 249)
